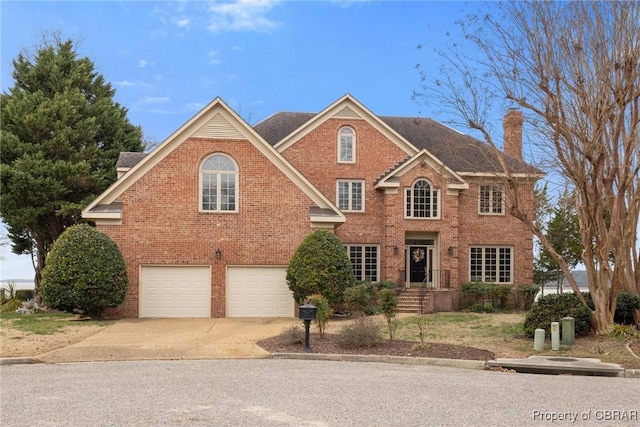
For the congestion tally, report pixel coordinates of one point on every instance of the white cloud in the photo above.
(194, 106)
(183, 23)
(242, 15)
(213, 58)
(124, 83)
(155, 99)
(143, 63)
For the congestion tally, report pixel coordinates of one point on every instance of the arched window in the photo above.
(346, 145)
(219, 184)
(421, 200)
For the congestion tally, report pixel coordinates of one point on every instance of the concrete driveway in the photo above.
(168, 339)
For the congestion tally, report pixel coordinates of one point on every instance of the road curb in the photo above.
(5, 361)
(632, 373)
(404, 360)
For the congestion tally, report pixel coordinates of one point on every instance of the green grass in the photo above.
(42, 323)
(464, 326)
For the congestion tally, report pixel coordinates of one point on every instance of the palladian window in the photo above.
(219, 184)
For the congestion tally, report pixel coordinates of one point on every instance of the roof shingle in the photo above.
(462, 153)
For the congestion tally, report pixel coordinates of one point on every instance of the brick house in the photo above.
(208, 221)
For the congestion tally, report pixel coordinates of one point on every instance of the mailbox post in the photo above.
(307, 312)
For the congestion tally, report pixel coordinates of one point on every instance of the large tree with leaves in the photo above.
(573, 68)
(61, 135)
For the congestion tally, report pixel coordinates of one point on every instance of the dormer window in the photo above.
(346, 145)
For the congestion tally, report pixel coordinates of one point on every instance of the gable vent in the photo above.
(347, 112)
(218, 127)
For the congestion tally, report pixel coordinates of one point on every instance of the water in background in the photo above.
(18, 284)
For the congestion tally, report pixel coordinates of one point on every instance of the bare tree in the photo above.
(574, 70)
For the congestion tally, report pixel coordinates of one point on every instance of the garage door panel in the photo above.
(175, 291)
(258, 292)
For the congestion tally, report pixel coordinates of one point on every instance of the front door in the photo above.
(419, 266)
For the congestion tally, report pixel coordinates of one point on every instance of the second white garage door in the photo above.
(258, 292)
(175, 291)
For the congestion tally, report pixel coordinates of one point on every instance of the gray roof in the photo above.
(460, 152)
(128, 159)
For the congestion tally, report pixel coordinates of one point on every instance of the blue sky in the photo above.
(167, 60)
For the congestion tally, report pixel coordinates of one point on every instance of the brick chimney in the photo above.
(512, 128)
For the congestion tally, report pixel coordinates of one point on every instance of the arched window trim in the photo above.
(346, 154)
(419, 205)
(225, 201)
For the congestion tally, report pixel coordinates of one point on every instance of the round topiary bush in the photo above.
(552, 308)
(84, 271)
(626, 306)
(320, 265)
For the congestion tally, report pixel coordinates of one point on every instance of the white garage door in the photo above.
(258, 292)
(175, 291)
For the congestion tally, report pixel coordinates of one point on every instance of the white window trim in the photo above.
(491, 212)
(353, 153)
(237, 186)
(347, 248)
(438, 200)
(511, 263)
(350, 182)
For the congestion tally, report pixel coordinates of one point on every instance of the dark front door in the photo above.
(420, 265)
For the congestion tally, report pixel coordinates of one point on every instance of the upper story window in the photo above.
(346, 145)
(422, 200)
(350, 195)
(219, 184)
(491, 201)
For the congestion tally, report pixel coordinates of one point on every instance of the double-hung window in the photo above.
(346, 145)
(491, 264)
(350, 195)
(491, 201)
(422, 200)
(364, 261)
(219, 184)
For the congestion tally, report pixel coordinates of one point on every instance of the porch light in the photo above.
(450, 250)
(218, 253)
(307, 312)
(395, 249)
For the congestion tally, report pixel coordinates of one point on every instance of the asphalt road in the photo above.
(287, 393)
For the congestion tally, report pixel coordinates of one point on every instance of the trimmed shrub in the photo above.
(363, 332)
(320, 265)
(323, 312)
(476, 292)
(358, 298)
(84, 272)
(552, 308)
(528, 294)
(626, 306)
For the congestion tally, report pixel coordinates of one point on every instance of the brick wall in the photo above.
(383, 222)
(162, 225)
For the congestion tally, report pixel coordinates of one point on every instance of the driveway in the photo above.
(170, 339)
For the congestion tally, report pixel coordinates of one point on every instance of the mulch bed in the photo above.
(329, 345)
